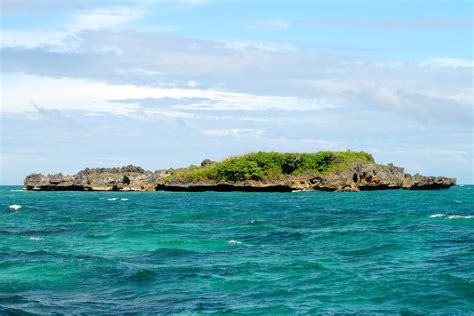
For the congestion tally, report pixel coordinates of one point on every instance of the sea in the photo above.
(378, 252)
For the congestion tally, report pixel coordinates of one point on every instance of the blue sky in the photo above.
(169, 83)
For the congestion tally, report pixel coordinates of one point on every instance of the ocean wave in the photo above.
(460, 216)
(303, 265)
(15, 207)
(15, 298)
(369, 250)
(36, 231)
(35, 238)
(255, 222)
(171, 252)
(452, 216)
(234, 242)
(284, 236)
(122, 199)
(142, 275)
(17, 190)
(112, 199)
(97, 236)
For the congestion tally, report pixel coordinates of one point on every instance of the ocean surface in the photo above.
(395, 252)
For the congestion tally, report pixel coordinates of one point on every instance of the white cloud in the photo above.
(425, 93)
(170, 114)
(260, 46)
(389, 23)
(64, 37)
(276, 24)
(192, 83)
(234, 132)
(102, 18)
(97, 96)
(447, 62)
(261, 78)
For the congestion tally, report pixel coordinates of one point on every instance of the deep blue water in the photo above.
(243, 253)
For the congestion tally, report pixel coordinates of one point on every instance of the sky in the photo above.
(169, 83)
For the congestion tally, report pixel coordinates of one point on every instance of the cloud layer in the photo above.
(125, 94)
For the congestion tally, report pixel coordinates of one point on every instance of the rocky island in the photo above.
(260, 171)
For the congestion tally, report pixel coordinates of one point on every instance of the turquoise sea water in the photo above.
(243, 253)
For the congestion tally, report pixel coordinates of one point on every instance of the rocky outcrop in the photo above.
(128, 178)
(207, 162)
(356, 177)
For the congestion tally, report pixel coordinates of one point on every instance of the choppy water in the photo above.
(268, 253)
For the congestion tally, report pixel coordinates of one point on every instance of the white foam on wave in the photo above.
(36, 238)
(452, 216)
(15, 207)
(460, 216)
(234, 242)
(112, 199)
(123, 199)
(17, 191)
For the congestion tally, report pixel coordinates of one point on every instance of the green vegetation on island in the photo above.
(261, 166)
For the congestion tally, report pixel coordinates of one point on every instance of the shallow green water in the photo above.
(268, 253)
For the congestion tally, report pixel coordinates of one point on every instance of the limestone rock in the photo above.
(353, 178)
(357, 177)
(128, 178)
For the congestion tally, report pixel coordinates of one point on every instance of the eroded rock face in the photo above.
(57, 182)
(128, 178)
(365, 177)
(357, 177)
(419, 182)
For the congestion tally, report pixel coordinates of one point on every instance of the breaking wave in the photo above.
(452, 216)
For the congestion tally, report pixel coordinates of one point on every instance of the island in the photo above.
(253, 172)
